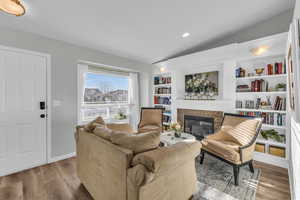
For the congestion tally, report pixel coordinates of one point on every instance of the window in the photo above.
(105, 94)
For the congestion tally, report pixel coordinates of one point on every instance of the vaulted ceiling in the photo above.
(147, 31)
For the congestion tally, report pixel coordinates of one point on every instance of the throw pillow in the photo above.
(92, 125)
(137, 142)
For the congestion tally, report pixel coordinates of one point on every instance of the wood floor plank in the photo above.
(59, 181)
(12, 191)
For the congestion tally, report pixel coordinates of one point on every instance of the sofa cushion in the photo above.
(137, 142)
(166, 158)
(92, 125)
(103, 132)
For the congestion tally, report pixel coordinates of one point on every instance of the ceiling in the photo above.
(147, 31)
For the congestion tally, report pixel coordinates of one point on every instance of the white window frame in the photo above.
(82, 69)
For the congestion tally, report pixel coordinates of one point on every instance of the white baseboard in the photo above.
(62, 157)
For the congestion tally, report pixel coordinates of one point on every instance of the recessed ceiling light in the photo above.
(185, 35)
(259, 50)
(162, 69)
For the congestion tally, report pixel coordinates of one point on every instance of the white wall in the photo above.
(64, 58)
(223, 59)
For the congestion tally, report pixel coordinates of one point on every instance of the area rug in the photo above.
(216, 181)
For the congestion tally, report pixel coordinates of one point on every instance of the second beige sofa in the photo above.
(110, 172)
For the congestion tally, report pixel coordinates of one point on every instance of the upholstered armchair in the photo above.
(234, 143)
(151, 120)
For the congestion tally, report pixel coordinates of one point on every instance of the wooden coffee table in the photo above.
(168, 138)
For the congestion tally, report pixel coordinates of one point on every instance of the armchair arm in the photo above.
(164, 159)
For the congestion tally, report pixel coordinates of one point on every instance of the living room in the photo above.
(134, 100)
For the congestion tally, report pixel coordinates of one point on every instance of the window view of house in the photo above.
(105, 95)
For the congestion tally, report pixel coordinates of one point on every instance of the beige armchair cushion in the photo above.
(225, 149)
(151, 117)
(166, 158)
(137, 142)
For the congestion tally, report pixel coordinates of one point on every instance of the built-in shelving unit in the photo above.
(263, 95)
(162, 90)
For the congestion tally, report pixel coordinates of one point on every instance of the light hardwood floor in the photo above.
(58, 181)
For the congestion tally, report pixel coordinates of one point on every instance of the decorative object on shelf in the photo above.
(240, 72)
(176, 127)
(259, 71)
(13, 7)
(202, 86)
(272, 134)
(281, 87)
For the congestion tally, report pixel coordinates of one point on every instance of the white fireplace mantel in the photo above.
(214, 105)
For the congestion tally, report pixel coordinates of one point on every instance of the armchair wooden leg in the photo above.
(202, 157)
(236, 172)
(251, 166)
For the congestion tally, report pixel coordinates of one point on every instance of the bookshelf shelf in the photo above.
(162, 89)
(261, 77)
(167, 105)
(163, 85)
(270, 142)
(273, 126)
(274, 92)
(163, 95)
(254, 91)
(260, 110)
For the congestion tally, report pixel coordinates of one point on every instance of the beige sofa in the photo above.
(110, 172)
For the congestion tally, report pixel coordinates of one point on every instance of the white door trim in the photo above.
(48, 92)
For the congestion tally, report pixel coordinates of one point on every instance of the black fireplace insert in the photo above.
(198, 126)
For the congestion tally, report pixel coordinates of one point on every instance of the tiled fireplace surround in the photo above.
(217, 115)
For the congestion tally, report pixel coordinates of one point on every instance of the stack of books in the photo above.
(161, 80)
(163, 90)
(162, 100)
(259, 86)
(277, 68)
(280, 103)
(243, 88)
(276, 119)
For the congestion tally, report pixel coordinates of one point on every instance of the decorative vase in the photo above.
(177, 134)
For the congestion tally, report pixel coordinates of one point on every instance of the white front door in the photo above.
(22, 124)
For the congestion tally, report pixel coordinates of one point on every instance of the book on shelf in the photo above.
(279, 104)
(259, 86)
(167, 119)
(163, 90)
(270, 69)
(276, 119)
(162, 100)
(162, 80)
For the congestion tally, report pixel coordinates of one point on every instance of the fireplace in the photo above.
(198, 126)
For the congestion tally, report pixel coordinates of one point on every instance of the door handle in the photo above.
(42, 115)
